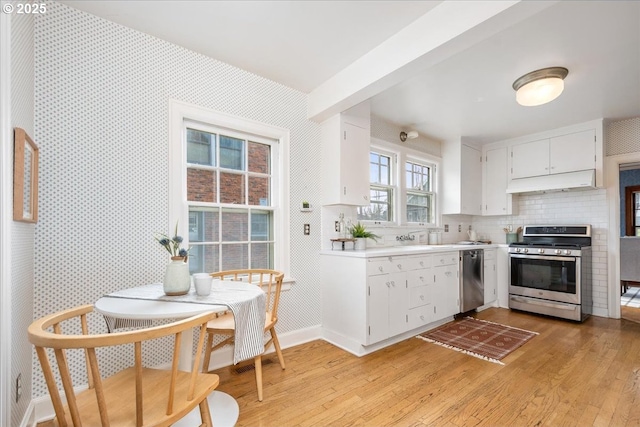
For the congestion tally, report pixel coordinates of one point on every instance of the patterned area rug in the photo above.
(479, 338)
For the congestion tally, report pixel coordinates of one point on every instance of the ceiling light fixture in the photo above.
(540, 86)
(411, 135)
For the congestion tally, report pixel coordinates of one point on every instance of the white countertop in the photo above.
(405, 250)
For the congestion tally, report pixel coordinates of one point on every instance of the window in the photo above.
(227, 188)
(420, 196)
(230, 211)
(400, 201)
(632, 215)
(381, 192)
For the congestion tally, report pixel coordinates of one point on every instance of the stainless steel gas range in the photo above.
(550, 271)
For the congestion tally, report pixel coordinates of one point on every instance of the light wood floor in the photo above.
(570, 375)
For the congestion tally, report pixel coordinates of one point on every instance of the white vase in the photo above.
(176, 277)
(361, 244)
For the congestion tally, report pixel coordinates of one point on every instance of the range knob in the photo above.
(540, 251)
(567, 251)
(558, 251)
(525, 250)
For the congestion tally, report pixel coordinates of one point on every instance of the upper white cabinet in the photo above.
(345, 157)
(462, 178)
(573, 152)
(496, 201)
(530, 159)
(566, 150)
(560, 154)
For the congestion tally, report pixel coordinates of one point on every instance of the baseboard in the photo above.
(224, 356)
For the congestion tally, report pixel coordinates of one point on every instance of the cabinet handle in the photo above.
(393, 283)
(422, 297)
(380, 268)
(421, 279)
(388, 285)
(399, 266)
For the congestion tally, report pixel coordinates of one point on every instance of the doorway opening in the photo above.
(629, 178)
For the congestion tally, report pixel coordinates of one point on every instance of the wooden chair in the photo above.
(134, 396)
(271, 283)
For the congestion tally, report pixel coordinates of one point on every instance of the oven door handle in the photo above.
(542, 303)
(546, 257)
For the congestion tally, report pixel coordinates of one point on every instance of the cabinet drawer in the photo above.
(446, 258)
(418, 296)
(420, 316)
(416, 262)
(386, 265)
(489, 254)
(422, 277)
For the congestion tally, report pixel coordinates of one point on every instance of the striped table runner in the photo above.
(246, 302)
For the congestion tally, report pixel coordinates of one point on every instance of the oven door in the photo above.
(554, 278)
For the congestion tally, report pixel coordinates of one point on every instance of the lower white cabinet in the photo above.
(490, 276)
(446, 294)
(387, 306)
(368, 300)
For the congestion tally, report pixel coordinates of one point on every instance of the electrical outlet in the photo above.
(307, 229)
(337, 226)
(18, 387)
(446, 228)
(459, 228)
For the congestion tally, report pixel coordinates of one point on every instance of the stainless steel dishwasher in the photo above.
(471, 279)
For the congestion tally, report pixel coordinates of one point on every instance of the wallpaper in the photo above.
(102, 95)
(22, 234)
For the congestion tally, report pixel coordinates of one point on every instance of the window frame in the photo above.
(392, 186)
(181, 112)
(434, 194)
(400, 155)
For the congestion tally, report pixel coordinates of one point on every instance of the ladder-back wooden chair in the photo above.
(271, 283)
(138, 395)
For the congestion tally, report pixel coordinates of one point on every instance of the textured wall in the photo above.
(622, 137)
(22, 234)
(102, 95)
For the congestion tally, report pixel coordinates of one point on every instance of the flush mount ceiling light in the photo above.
(540, 86)
(411, 135)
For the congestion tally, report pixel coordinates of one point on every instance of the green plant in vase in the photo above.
(360, 233)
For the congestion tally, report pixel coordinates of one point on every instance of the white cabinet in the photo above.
(462, 179)
(387, 306)
(345, 159)
(366, 302)
(490, 276)
(420, 280)
(530, 159)
(446, 289)
(572, 152)
(558, 154)
(495, 176)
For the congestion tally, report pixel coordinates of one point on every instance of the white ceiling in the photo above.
(302, 44)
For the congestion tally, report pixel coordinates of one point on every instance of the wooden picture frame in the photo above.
(25, 177)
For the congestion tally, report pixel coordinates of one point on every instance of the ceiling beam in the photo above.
(447, 29)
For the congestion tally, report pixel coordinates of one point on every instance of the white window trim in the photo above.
(395, 183)
(402, 155)
(178, 207)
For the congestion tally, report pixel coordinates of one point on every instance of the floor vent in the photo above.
(251, 366)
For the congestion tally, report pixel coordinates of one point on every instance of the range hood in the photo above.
(580, 180)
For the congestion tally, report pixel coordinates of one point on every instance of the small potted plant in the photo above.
(360, 233)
